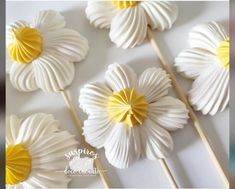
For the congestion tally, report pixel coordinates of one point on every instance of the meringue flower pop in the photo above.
(41, 55)
(35, 148)
(207, 63)
(128, 20)
(131, 117)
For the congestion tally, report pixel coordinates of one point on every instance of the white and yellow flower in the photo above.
(41, 55)
(131, 117)
(128, 20)
(35, 149)
(207, 63)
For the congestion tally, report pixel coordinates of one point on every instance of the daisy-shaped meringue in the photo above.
(128, 20)
(35, 149)
(207, 63)
(41, 54)
(131, 117)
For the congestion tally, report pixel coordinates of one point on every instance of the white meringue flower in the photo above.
(128, 20)
(35, 149)
(131, 117)
(207, 62)
(41, 55)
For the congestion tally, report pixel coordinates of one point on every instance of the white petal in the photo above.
(225, 101)
(169, 112)
(156, 141)
(22, 77)
(100, 13)
(53, 71)
(209, 92)
(160, 14)
(120, 76)
(207, 36)
(97, 128)
(13, 124)
(35, 127)
(45, 179)
(48, 153)
(122, 147)
(129, 27)
(192, 62)
(68, 42)
(94, 97)
(48, 20)
(154, 84)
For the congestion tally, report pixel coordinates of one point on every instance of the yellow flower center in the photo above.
(128, 107)
(124, 4)
(223, 53)
(26, 45)
(18, 164)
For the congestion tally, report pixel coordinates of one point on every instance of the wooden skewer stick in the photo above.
(168, 174)
(77, 121)
(192, 114)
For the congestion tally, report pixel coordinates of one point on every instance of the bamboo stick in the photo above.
(168, 173)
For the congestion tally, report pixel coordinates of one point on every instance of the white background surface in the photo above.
(189, 162)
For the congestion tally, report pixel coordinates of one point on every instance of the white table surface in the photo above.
(189, 162)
